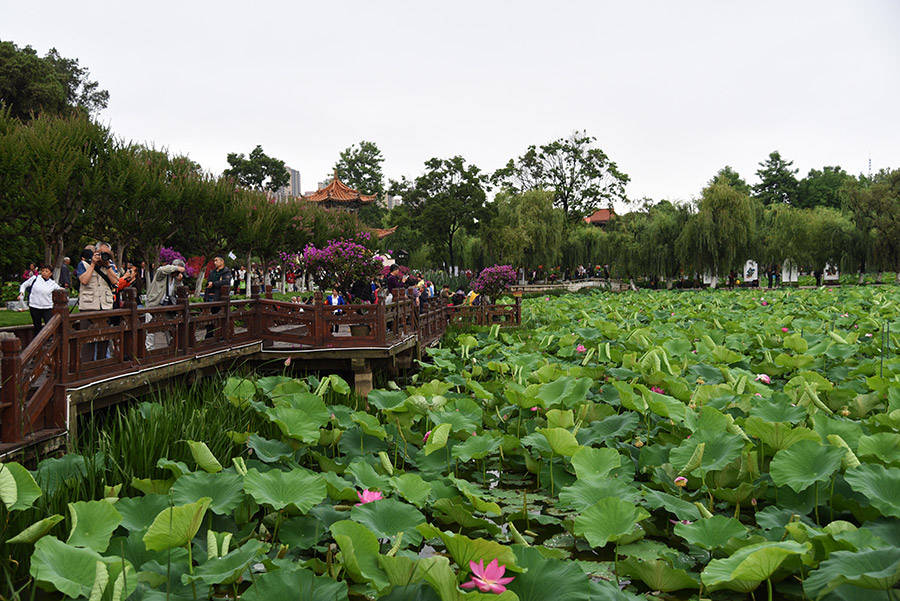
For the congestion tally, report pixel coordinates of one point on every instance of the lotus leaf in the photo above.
(389, 518)
(18, 489)
(711, 533)
(225, 489)
(609, 519)
(877, 569)
(31, 534)
(278, 489)
(805, 463)
(476, 447)
(230, 568)
(750, 565)
(359, 547)
(287, 584)
(880, 485)
(93, 523)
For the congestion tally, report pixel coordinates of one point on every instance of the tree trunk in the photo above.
(284, 277)
(200, 277)
(631, 283)
(670, 282)
(878, 275)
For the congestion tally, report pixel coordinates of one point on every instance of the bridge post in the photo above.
(255, 325)
(226, 296)
(518, 296)
(268, 292)
(183, 302)
(380, 323)
(55, 414)
(319, 324)
(10, 368)
(133, 342)
(362, 376)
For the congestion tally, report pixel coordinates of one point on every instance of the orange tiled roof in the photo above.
(385, 233)
(601, 216)
(338, 191)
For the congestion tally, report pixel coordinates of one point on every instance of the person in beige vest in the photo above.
(98, 278)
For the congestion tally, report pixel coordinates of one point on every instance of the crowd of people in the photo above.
(100, 284)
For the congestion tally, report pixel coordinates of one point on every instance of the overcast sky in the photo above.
(673, 91)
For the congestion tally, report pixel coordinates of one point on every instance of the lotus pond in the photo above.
(701, 445)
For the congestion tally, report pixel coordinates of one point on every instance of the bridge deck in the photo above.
(82, 361)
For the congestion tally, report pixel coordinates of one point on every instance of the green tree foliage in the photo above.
(259, 171)
(732, 178)
(447, 198)
(582, 176)
(526, 231)
(777, 181)
(360, 168)
(823, 188)
(666, 221)
(720, 235)
(30, 85)
(875, 212)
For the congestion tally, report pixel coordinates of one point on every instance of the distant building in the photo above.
(292, 189)
(390, 201)
(601, 217)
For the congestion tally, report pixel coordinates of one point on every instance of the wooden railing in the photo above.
(74, 349)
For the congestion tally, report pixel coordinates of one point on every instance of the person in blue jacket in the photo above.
(335, 299)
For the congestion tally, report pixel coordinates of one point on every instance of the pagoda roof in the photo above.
(385, 233)
(338, 191)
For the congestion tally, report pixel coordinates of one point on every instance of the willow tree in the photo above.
(526, 230)
(666, 222)
(720, 235)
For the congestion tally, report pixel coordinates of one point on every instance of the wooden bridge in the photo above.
(85, 360)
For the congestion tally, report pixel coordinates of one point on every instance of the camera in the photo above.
(105, 257)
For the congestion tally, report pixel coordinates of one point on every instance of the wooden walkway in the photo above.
(80, 358)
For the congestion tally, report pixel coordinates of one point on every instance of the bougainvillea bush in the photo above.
(339, 264)
(712, 445)
(494, 280)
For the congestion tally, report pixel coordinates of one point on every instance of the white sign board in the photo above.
(751, 272)
(832, 274)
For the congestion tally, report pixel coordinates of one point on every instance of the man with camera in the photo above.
(98, 277)
(162, 292)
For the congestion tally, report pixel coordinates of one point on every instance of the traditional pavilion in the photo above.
(340, 196)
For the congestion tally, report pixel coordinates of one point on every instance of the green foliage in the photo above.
(258, 171)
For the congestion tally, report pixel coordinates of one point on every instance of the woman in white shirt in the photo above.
(40, 299)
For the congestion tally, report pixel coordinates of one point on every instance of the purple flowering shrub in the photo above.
(167, 255)
(493, 281)
(339, 264)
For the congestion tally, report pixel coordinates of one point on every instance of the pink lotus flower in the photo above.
(535, 408)
(580, 348)
(657, 390)
(287, 362)
(764, 303)
(764, 378)
(427, 434)
(367, 496)
(868, 334)
(488, 579)
(784, 329)
(680, 481)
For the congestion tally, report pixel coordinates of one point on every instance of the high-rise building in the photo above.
(292, 189)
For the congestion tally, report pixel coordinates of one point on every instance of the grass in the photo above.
(14, 318)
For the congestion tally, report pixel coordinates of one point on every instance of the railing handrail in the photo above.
(231, 320)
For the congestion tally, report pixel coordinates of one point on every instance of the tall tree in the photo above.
(720, 236)
(663, 227)
(777, 181)
(823, 188)
(447, 198)
(30, 84)
(732, 178)
(582, 176)
(259, 171)
(526, 230)
(359, 166)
